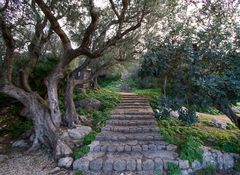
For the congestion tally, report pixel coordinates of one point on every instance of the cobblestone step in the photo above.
(131, 122)
(121, 162)
(132, 146)
(130, 143)
(132, 117)
(134, 104)
(131, 129)
(118, 136)
(132, 107)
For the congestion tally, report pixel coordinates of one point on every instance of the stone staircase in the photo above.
(129, 144)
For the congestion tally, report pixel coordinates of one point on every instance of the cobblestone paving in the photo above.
(129, 144)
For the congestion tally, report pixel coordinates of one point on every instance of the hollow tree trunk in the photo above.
(230, 114)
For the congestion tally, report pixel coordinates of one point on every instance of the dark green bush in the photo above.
(187, 116)
(78, 153)
(89, 138)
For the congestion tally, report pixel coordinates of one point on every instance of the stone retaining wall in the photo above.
(220, 160)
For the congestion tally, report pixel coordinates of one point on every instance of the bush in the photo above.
(173, 169)
(78, 153)
(174, 131)
(187, 116)
(89, 138)
(191, 150)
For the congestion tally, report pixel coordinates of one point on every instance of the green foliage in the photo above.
(42, 69)
(16, 128)
(187, 116)
(89, 138)
(176, 132)
(78, 172)
(209, 170)
(108, 98)
(191, 149)
(173, 169)
(237, 166)
(209, 110)
(78, 153)
(152, 94)
(99, 117)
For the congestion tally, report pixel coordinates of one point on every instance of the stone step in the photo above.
(131, 129)
(131, 122)
(134, 146)
(137, 105)
(118, 136)
(132, 107)
(128, 161)
(134, 100)
(132, 117)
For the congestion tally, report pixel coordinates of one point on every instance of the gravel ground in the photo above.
(38, 163)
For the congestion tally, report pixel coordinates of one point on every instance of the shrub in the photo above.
(173, 169)
(78, 153)
(89, 138)
(187, 116)
(191, 150)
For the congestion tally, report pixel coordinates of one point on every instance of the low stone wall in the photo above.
(220, 160)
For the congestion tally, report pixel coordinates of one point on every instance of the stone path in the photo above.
(129, 144)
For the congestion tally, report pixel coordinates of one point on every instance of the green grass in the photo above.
(173, 169)
(191, 150)
(152, 94)
(209, 170)
(176, 132)
(80, 152)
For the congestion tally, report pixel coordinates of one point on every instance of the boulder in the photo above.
(65, 162)
(20, 144)
(217, 124)
(62, 150)
(79, 132)
(89, 105)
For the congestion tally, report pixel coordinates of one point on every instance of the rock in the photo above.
(148, 164)
(20, 144)
(158, 164)
(183, 164)
(139, 164)
(171, 147)
(79, 132)
(119, 165)
(62, 150)
(217, 124)
(131, 165)
(196, 165)
(3, 157)
(96, 164)
(89, 105)
(184, 172)
(108, 165)
(65, 162)
(81, 164)
(54, 170)
(228, 161)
